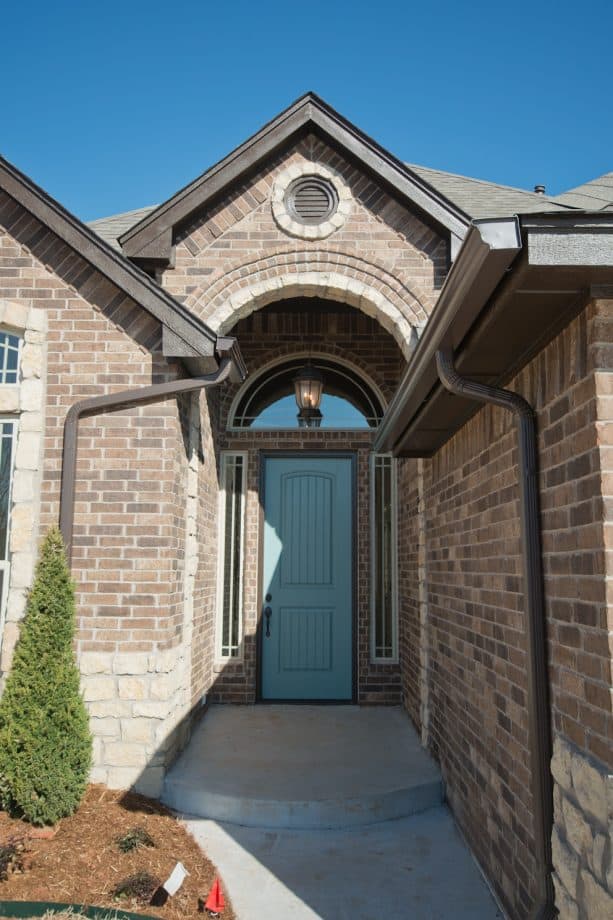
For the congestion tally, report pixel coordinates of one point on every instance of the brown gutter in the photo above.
(489, 249)
(113, 402)
(539, 725)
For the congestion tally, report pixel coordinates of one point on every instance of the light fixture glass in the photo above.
(309, 385)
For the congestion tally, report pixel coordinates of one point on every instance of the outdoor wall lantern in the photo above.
(309, 384)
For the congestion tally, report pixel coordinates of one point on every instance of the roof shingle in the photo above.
(481, 199)
(595, 195)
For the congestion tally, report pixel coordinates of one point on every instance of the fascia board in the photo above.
(585, 239)
(309, 111)
(487, 253)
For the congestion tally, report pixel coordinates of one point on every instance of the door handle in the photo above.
(267, 614)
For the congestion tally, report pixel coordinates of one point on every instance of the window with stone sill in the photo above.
(232, 500)
(384, 578)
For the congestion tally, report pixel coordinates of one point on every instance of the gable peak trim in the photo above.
(152, 237)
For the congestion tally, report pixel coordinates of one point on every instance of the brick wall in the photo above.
(475, 622)
(409, 631)
(130, 513)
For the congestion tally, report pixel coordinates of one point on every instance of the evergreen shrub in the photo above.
(45, 743)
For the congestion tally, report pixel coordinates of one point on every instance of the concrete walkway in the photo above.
(415, 868)
(327, 812)
(303, 767)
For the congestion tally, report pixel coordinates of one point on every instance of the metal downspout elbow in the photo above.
(539, 729)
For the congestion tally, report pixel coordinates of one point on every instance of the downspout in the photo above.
(99, 405)
(539, 729)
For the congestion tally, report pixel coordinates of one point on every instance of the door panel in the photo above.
(307, 643)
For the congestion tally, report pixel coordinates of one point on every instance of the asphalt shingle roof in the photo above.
(595, 195)
(481, 199)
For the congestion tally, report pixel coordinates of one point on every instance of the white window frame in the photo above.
(3, 370)
(5, 564)
(393, 658)
(226, 456)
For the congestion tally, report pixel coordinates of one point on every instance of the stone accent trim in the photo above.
(284, 219)
(26, 402)
(339, 276)
(582, 834)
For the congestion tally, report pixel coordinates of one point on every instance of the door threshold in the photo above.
(308, 702)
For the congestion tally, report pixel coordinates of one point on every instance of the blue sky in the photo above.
(115, 105)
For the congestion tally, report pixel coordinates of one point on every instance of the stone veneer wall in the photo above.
(583, 834)
(474, 628)
(138, 474)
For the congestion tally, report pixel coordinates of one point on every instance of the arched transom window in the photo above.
(349, 400)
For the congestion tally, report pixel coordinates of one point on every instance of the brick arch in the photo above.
(313, 273)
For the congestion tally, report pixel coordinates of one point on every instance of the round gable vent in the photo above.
(311, 200)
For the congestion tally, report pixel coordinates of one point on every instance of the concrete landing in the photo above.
(303, 767)
(415, 868)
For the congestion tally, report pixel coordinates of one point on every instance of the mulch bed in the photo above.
(82, 863)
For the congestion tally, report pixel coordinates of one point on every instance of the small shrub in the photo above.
(11, 858)
(140, 886)
(45, 744)
(135, 838)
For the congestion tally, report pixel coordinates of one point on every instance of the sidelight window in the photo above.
(384, 607)
(231, 550)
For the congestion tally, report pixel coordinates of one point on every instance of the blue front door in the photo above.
(307, 589)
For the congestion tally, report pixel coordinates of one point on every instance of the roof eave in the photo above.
(486, 254)
(173, 316)
(558, 260)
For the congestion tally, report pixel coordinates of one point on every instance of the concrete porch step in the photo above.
(312, 767)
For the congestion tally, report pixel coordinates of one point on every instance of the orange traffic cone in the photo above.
(215, 902)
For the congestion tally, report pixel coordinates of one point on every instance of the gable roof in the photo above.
(595, 195)
(151, 237)
(194, 336)
(481, 199)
